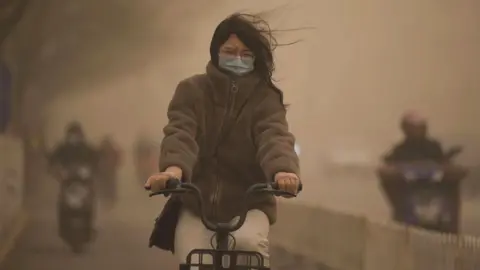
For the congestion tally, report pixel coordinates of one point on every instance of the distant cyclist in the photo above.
(110, 158)
(74, 148)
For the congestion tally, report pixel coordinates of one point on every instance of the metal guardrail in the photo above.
(348, 242)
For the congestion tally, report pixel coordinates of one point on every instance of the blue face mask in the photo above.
(237, 65)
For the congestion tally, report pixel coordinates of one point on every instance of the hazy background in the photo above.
(113, 65)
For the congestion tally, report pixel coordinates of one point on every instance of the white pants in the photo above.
(191, 234)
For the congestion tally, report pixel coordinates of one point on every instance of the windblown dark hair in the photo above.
(257, 35)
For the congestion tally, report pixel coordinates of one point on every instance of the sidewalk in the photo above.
(12, 234)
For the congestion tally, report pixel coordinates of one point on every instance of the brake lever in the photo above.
(276, 192)
(167, 192)
(283, 194)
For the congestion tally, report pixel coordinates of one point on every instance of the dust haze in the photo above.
(360, 64)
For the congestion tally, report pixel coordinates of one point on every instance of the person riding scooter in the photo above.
(417, 174)
(108, 166)
(75, 147)
(73, 150)
(145, 156)
(417, 145)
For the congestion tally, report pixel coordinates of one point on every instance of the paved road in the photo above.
(123, 235)
(121, 244)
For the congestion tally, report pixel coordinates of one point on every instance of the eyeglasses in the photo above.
(237, 53)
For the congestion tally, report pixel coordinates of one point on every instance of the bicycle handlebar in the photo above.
(175, 186)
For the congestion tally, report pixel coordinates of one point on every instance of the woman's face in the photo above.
(235, 57)
(235, 47)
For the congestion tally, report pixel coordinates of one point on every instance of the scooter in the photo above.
(76, 206)
(424, 193)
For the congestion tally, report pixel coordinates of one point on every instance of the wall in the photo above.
(11, 190)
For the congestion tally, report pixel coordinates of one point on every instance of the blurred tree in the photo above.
(63, 46)
(11, 12)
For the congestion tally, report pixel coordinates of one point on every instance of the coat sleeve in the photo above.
(179, 147)
(275, 144)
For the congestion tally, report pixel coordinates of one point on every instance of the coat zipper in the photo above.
(228, 113)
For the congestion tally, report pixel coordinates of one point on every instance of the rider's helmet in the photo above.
(414, 125)
(74, 132)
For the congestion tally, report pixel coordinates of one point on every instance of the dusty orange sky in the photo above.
(354, 73)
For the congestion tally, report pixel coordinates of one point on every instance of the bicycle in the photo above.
(223, 257)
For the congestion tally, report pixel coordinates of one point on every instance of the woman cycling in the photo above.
(227, 130)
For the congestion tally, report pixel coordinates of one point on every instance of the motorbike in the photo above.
(76, 206)
(424, 193)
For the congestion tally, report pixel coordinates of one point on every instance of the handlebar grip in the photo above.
(172, 183)
(274, 185)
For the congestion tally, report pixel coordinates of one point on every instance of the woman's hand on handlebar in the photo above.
(288, 182)
(158, 181)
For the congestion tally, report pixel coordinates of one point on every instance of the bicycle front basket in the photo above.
(230, 260)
